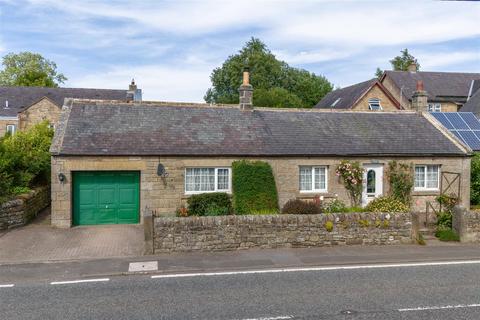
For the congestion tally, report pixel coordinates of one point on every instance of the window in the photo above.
(374, 104)
(371, 181)
(11, 128)
(427, 177)
(201, 180)
(434, 107)
(313, 179)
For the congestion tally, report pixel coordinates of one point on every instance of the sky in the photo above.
(171, 47)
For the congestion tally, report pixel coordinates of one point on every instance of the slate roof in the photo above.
(346, 96)
(20, 98)
(473, 104)
(440, 86)
(88, 128)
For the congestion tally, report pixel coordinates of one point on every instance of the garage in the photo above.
(106, 197)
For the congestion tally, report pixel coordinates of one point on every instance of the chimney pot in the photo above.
(420, 85)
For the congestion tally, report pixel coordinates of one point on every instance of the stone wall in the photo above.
(275, 231)
(166, 194)
(21, 210)
(466, 224)
(43, 110)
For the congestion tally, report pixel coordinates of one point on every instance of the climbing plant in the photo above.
(351, 175)
(400, 177)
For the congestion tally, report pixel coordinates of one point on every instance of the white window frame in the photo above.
(13, 131)
(312, 172)
(374, 101)
(229, 190)
(434, 107)
(424, 188)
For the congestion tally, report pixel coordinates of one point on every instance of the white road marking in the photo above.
(307, 269)
(458, 306)
(80, 281)
(271, 318)
(7, 285)
(143, 266)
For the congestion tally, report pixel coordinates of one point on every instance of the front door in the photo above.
(372, 182)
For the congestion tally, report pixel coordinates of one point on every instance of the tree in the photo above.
(400, 63)
(274, 81)
(29, 69)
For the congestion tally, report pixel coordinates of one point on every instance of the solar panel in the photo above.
(464, 125)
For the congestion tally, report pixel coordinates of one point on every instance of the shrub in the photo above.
(336, 206)
(386, 204)
(444, 220)
(447, 201)
(182, 212)
(447, 235)
(25, 160)
(296, 206)
(475, 179)
(209, 204)
(400, 177)
(254, 189)
(351, 174)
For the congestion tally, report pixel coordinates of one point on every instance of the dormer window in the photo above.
(434, 107)
(374, 104)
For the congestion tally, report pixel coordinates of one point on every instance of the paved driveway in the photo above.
(39, 242)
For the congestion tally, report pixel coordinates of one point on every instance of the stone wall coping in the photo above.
(22, 197)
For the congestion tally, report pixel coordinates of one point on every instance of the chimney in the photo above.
(420, 98)
(246, 92)
(412, 67)
(134, 94)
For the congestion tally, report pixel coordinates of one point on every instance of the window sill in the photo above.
(311, 195)
(432, 192)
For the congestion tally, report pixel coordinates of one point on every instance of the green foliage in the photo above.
(447, 235)
(400, 177)
(297, 206)
(208, 204)
(336, 206)
(25, 160)
(254, 189)
(444, 220)
(378, 73)
(386, 204)
(274, 81)
(475, 180)
(329, 226)
(29, 69)
(364, 223)
(401, 62)
(351, 174)
(447, 201)
(276, 98)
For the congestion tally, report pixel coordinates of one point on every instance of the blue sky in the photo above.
(171, 47)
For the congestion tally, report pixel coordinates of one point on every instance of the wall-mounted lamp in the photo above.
(61, 177)
(161, 172)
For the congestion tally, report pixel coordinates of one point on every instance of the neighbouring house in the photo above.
(368, 95)
(445, 91)
(473, 100)
(113, 161)
(23, 107)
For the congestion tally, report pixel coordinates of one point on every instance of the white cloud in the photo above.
(432, 60)
(158, 82)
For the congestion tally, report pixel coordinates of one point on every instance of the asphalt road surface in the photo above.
(408, 291)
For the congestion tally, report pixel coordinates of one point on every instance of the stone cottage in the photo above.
(23, 107)
(113, 161)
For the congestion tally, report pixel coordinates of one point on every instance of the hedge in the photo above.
(209, 204)
(254, 189)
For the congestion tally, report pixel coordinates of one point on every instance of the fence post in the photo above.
(148, 221)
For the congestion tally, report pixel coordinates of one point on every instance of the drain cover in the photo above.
(143, 266)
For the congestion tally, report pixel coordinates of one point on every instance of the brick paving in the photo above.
(39, 242)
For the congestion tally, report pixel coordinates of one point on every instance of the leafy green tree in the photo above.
(400, 63)
(280, 83)
(29, 69)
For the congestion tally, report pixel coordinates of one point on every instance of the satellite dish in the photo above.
(161, 171)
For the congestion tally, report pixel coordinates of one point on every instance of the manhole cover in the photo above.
(143, 266)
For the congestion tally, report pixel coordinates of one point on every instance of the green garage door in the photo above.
(105, 197)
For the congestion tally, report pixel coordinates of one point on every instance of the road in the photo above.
(402, 291)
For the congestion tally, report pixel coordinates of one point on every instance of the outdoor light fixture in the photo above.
(161, 172)
(61, 177)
